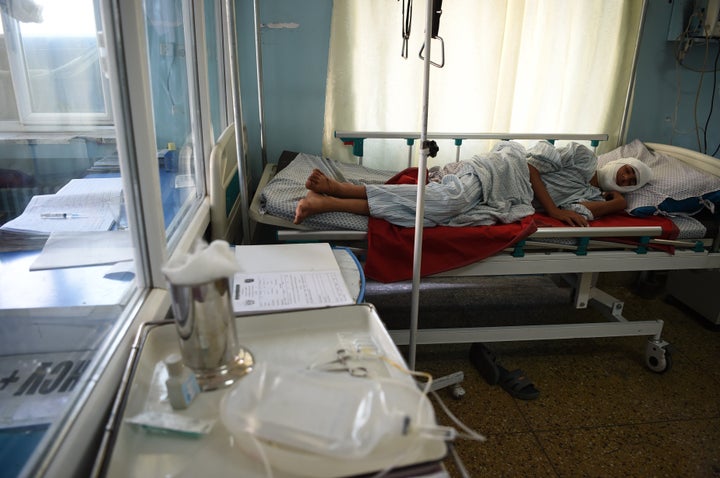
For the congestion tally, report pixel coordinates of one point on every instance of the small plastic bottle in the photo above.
(171, 159)
(181, 385)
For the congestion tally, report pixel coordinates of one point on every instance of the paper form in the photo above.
(289, 290)
(93, 204)
(287, 277)
(92, 186)
(73, 249)
(93, 213)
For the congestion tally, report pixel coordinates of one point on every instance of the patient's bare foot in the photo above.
(309, 205)
(318, 182)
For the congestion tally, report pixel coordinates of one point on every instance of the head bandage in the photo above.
(607, 175)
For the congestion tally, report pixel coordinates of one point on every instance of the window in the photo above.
(54, 64)
(66, 329)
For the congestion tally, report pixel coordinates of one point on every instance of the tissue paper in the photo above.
(206, 263)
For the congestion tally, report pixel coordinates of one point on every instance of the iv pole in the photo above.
(420, 209)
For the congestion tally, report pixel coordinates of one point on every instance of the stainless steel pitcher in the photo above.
(208, 339)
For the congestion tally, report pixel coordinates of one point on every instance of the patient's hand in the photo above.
(617, 198)
(569, 217)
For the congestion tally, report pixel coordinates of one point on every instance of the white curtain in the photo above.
(519, 66)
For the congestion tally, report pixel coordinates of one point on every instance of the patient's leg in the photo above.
(315, 203)
(320, 183)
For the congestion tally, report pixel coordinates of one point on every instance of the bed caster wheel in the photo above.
(657, 356)
(457, 392)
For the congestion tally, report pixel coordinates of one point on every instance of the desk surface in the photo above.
(103, 285)
(21, 288)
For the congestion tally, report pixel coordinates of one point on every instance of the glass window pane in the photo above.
(220, 107)
(59, 188)
(60, 58)
(8, 107)
(173, 107)
(57, 313)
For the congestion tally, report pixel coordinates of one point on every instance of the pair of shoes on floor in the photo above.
(515, 382)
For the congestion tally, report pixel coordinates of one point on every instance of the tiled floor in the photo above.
(601, 412)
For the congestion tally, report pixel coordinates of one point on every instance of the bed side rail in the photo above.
(585, 240)
(356, 139)
(578, 232)
(582, 234)
(541, 233)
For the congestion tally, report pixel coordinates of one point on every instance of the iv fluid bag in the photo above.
(326, 413)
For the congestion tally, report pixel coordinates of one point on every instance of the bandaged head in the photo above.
(607, 175)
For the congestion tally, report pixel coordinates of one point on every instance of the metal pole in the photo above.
(258, 66)
(420, 210)
(631, 86)
(237, 115)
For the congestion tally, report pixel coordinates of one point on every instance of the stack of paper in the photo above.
(109, 164)
(81, 205)
(287, 277)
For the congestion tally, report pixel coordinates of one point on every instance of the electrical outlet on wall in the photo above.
(693, 19)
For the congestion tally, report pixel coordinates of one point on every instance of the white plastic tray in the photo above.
(287, 339)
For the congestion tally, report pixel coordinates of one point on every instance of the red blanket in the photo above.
(390, 247)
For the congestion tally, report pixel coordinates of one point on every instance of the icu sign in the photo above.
(35, 389)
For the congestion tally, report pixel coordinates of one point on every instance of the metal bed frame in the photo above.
(580, 264)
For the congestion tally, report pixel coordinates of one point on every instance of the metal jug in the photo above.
(206, 327)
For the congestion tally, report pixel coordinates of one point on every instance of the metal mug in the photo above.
(205, 324)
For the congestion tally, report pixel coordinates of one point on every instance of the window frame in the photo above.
(30, 121)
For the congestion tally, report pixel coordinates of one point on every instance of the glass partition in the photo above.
(78, 203)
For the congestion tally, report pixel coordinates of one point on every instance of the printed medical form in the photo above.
(287, 277)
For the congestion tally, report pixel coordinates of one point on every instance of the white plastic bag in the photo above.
(326, 413)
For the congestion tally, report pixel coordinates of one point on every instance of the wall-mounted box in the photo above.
(694, 18)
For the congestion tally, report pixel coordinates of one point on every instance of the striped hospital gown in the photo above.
(487, 189)
(566, 172)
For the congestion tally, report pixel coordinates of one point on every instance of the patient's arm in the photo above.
(614, 202)
(543, 197)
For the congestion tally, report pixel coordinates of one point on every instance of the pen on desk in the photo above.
(60, 215)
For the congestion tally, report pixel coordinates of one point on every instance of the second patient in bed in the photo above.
(503, 185)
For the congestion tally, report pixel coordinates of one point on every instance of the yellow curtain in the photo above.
(518, 66)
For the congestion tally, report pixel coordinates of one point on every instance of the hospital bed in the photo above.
(577, 254)
(224, 188)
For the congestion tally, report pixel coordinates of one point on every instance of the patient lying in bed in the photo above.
(498, 187)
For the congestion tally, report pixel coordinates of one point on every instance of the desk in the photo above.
(89, 305)
(292, 339)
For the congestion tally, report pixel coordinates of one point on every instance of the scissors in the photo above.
(340, 365)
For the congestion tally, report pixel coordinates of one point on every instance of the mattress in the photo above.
(283, 186)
